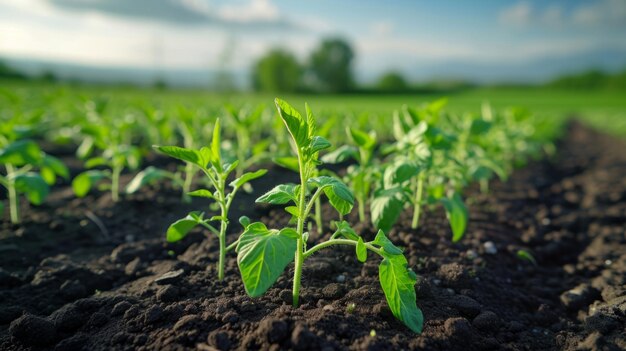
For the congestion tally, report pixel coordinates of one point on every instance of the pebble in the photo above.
(486, 321)
(120, 308)
(341, 278)
(153, 314)
(68, 318)
(458, 328)
(490, 248)
(276, 330)
(219, 340)
(170, 277)
(579, 297)
(466, 305)
(167, 293)
(471, 254)
(132, 267)
(332, 291)
(302, 338)
(72, 290)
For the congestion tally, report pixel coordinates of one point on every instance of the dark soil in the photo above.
(69, 283)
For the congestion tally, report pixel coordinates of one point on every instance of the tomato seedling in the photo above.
(29, 171)
(209, 161)
(361, 176)
(263, 254)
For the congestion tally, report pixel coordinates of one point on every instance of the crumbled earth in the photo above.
(67, 284)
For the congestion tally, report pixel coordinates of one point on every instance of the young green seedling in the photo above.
(209, 161)
(263, 254)
(113, 142)
(247, 150)
(422, 170)
(21, 159)
(181, 178)
(361, 176)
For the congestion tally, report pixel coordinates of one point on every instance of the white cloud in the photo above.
(382, 28)
(601, 13)
(254, 10)
(519, 14)
(607, 12)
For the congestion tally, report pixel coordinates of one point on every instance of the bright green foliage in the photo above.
(29, 172)
(264, 253)
(107, 150)
(361, 176)
(209, 160)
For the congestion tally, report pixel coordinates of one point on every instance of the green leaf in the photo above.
(291, 163)
(246, 177)
(398, 283)
(20, 153)
(400, 172)
(201, 193)
(147, 176)
(341, 154)
(1, 208)
(179, 229)
(198, 158)
(522, 255)
(263, 254)
(296, 125)
(292, 210)
(361, 138)
(85, 148)
(344, 230)
(361, 250)
(457, 215)
(83, 182)
(318, 143)
(339, 196)
(48, 175)
(384, 242)
(386, 207)
(95, 162)
(56, 166)
(280, 194)
(33, 186)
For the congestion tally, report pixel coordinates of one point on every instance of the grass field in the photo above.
(605, 110)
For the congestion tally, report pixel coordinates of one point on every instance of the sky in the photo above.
(488, 39)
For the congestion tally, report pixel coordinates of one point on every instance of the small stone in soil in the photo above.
(466, 305)
(170, 277)
(68, 318)
(458, 328)
(332, 291)
(579, 297)
(490, 248)
(276, 330)
(72, 290)
(98, 319)
(153, 314)
(453, 275)
(167, 293)
(303, 339)
(33, 330)
(486, 321)
(219, 340)
(132, 267)
(120, 308)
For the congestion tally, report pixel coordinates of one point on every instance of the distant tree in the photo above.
(331, 66)
(277, 71)
(392, 82)
(7, 71)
